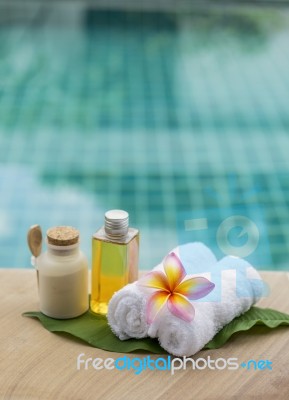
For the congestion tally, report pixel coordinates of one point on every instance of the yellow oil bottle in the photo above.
(115, 250)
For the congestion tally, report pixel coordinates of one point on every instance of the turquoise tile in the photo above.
(156, 112)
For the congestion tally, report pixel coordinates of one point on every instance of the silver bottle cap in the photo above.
(116, 223)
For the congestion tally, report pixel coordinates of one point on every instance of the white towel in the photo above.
(238, 287)
(126, 309)
(126, 313)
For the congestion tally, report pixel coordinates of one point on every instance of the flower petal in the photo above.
(155, 280)
(181, 307)
(155, 304)
(174, 270)
(195, 288)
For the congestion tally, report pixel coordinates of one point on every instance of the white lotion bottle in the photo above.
(63, 275)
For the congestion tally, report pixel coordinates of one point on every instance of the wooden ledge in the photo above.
(36, 364)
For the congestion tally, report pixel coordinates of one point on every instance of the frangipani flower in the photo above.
(173, 289)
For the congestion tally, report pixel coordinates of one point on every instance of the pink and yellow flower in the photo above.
(174, 288)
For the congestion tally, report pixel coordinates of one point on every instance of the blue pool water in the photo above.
(181, 118)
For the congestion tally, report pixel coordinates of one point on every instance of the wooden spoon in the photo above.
(34, 239)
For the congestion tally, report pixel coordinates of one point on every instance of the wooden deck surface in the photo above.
(36, 364)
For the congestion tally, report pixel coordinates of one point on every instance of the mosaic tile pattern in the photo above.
(157, 113)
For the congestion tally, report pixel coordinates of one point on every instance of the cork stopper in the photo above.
(62, 236)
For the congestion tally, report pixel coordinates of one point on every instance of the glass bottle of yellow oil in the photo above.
(115, 250)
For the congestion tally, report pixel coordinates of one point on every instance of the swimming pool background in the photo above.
(161, 114)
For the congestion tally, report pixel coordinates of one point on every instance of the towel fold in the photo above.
(238, 293)
(237, 287)
(181, 338)
(126, 313)
(126, 309)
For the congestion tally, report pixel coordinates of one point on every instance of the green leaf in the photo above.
(94, 330)
(254, 316)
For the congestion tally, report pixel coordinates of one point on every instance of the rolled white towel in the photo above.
(126, 309)
(182, 338)
(126, 313)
